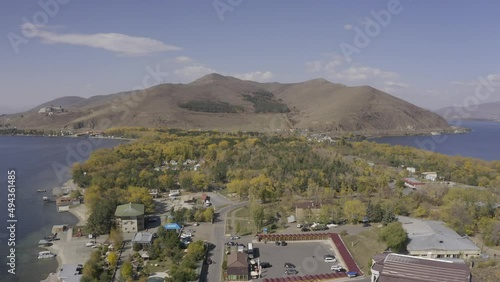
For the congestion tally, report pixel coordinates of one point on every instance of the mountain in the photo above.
(63, 102)
(228, 104)
(486, 111)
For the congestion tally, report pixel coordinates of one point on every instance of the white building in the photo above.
(432, 176)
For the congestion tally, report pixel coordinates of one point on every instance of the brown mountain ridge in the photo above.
(226, 103)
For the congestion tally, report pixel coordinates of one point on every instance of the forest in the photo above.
(350, 179)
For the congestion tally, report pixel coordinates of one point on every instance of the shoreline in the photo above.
(62, 249)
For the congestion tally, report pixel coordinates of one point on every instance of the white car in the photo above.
(330, 259)
(336, 267)
(89, 244)
(331, 225)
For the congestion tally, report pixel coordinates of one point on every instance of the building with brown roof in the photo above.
(391, 267)
(237, 267)
(305, 210)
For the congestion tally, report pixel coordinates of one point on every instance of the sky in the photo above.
(430, 53)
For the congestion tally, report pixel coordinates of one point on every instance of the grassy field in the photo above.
(243, 213)
(363, 246)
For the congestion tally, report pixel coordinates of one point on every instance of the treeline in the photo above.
(264, 102)
(210, 107)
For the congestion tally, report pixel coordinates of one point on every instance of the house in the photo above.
(432, 176)
(411, 169)
(432, 239)
(70, 273)
(143, 238)
(305, 210)
(412, 183)
(130, 217)
(237, 267)
(391, 267)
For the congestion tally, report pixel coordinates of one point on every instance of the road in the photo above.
(219, 239)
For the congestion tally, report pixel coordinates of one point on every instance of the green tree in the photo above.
(258, 217)
(101, 217)
(112, 259)
(126, 270)
(394, 236)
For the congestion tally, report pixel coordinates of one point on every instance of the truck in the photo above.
(250, 250)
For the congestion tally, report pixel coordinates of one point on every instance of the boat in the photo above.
(45, 199)
(41, 190)
(46, 254)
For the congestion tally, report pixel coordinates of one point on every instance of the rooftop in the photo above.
(434, 235)
(237, 264)
(129, 210)
(143, 238)
(396, 267)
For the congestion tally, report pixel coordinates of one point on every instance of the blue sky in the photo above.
(431, 53)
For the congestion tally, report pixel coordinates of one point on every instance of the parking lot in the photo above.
(306, 256)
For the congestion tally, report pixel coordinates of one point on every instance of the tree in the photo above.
(354, 210)
(101, 217)
(490, 229)
(116, 236)
(112, 259)
(258, 216)
(200, 181)
(126, 270)
(186, 180)
(208, 214)
(394, 236)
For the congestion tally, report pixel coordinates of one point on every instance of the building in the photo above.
(143, 238)
(70, 273)
(412, 183)
(432, 176)
(432, 239)
(390, 267)
(305, 210)
(130, 217)
(411, 169)
(237, 267)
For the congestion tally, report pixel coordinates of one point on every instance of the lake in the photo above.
(40, 163)
(482, 142)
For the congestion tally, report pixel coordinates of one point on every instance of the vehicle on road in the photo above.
(283, 243)
(265, 264)
(234, 237)
(278, 243)
(331, 225)
(299, 225)
(305, 229)
(291, 271)
(289, 265)
(89, 244)
(250, 250)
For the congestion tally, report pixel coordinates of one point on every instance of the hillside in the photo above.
(227, 104)
(486, 111)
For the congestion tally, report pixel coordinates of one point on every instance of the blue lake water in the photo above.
(40, 163)
(482, 142)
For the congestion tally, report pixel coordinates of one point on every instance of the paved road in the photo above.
(219, 238)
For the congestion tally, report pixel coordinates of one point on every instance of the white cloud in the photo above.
(348, 26)
(255, 76)
(391, 83)
(190, 73)
(114, 42)
(183, 60)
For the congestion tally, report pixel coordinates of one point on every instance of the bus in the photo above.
(250, 250)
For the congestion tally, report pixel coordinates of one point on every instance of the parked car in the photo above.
(283, 243)
(331, 225)
(234, 237)
(291, 271)
(265, 264)
(89, 244)
(278, 243)
(352, 274)
(330, 259)
(196, 224)
(289, 265)
(305, 229)
(336, 267)
(299, 225)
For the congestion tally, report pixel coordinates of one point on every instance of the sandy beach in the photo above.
(69, 249)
